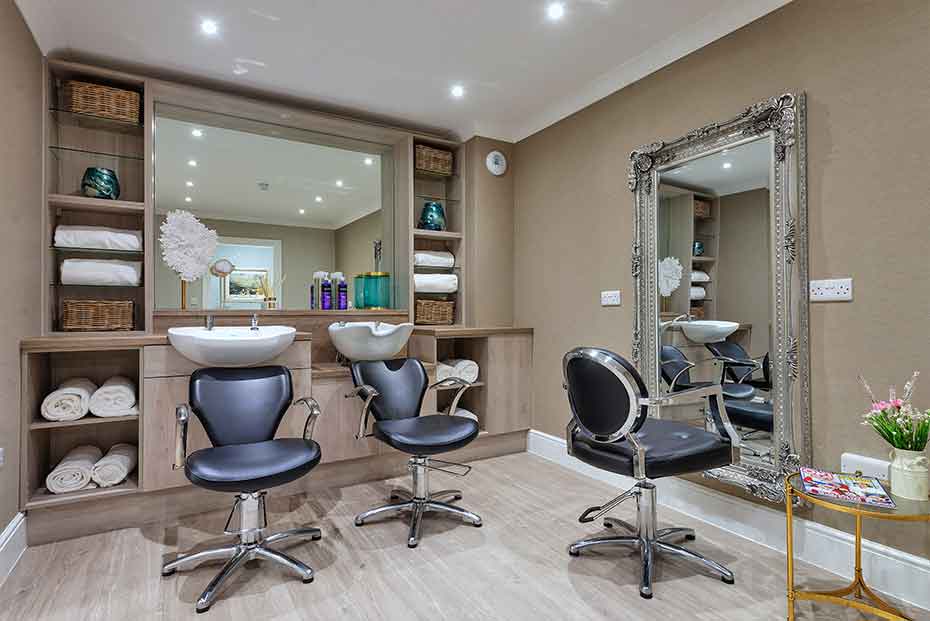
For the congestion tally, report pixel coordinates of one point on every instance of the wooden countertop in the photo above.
(450, 332)
(334, 370)
(355, 312)
(98, 341)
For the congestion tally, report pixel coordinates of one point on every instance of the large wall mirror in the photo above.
(286, 204)
(720, 262)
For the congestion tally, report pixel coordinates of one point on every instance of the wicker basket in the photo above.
(87, 315)
(701, 208)
(434, 312)
(433, 161)
(105, 101)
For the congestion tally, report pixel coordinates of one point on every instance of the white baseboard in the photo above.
(899, 574)
(12, 545)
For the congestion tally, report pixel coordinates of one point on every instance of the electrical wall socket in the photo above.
(2, 456)
(832, 290)
(869, 466)
(610, 298)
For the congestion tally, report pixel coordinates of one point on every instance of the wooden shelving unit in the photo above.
(43, 498)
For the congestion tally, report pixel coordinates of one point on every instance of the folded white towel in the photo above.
(105, 238)
(465, 414)
(108, 272)
(699, 276)
(116, 397)
(433, 258)
(73, 473)
(444, 371)
(460, 368)
(435, 283)
(115, 466)
(70, 401)
(698, 293)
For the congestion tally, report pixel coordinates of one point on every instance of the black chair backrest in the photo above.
(766, 369)
(672, 362)
(401, 385)
(727, 349)
(603, 392)
(239, 406)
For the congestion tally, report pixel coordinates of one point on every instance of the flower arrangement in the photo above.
(896, 420)
(187, 246)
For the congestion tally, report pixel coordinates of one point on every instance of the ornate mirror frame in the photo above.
(781, 120)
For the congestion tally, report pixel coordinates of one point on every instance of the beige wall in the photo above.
(355, 252)
(864, 67)
(21, 205)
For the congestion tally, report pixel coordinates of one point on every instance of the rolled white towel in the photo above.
(115, 466)
(105, 238)
(433, 258)
(462, 368)
(116, 397)
(698, 293)
(699, 276)
(444, 371)
(435, 283)
(70, 401)
(465, 414)
(107, 272)
(73, 473)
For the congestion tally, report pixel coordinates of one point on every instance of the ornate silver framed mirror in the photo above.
(720, 268)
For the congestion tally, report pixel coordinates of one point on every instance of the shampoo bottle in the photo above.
(342, 293)
(326, 293)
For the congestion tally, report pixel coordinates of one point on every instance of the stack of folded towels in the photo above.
(86, 467)
(75, 397)
(457, 367)
(106, 272)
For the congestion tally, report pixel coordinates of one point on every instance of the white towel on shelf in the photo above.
(113, 468)
(73, 473)
(435, 283)
(699, 276)
(460, 368)
(698, 293)
(444, 371)
(465, 414)
(116, 397)
(102, 237)
(433, 258)
(70, 401)
(109, 272)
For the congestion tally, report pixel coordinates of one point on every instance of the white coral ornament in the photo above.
(669, 276)
(187, 246)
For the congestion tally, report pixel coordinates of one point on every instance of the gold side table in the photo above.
(863, 598)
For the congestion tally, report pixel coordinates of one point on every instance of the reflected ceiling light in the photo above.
(197, 133)
(369, 161)
(188, 199)
(209, 27)
(338, 183)
(318, 199)
(457, 91)
(301, 211)
(239, 70)
(555, 11)
(189, 184)
(192, 163)
(727, 165)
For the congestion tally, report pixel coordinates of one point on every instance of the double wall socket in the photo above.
(869, 466)
(832, 290)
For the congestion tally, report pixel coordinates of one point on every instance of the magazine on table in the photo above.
(846, 488)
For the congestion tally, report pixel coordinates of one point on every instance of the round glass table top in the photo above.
(905, 510)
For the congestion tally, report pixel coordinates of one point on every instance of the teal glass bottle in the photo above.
(433, 217)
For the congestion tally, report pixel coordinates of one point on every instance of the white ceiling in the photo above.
(397, 59)
(231, 164)
(749, 166)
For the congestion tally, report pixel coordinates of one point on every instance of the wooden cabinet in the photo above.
(336, 428)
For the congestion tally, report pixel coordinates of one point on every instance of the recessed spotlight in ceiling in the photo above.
(239, 70)
(209, 27)
(338, 183)
(196, 133)
(555, 11)
(318, 199)
(301, 211)
(457, 91)
(189, 184)
(728, 165)
(369, 161)
(725, 151)
(192, 163)
(188, 199)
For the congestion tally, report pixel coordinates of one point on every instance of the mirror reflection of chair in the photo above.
(611, 430)
(739, 366)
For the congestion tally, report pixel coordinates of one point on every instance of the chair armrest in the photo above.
(182, 414)
(740, 362)
(368, 393)
(716, 407)
(452, 381)
(688, 366)
(314, 411)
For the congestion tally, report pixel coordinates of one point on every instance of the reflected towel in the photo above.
(109, 272)
(115, 466)
(70, 401)
(699, 276)
(116, 397)
(435, 283)
(698, 293)
(73, 473)
(460, 368)
(105, 238)
(433, 258)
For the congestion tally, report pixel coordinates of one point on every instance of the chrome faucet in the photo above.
(254, 325)
(208, 322)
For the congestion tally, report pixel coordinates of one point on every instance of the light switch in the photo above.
(610, 298)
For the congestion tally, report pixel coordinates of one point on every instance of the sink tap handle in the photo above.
(254, 325)
(209, 322)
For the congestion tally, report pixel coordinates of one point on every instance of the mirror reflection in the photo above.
(715, 280)
(300, 217)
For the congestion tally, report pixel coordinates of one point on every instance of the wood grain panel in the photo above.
(335, 431)
(508, 373)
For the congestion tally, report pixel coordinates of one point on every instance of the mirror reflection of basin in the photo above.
(705, 331)
(369, 340)
(231, 346)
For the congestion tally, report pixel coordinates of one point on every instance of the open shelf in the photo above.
(473, 386)
(94, 122)
(703, 259)
(424, 234)
(95, 251)
(430, 197)
(117, 156)
(100, 205)
(44, 498)
(89, 419)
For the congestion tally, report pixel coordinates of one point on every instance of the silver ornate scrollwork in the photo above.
(783, 120)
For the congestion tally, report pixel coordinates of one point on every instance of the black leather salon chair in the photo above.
(393, 392)
(739, 367)
(611, 430)
(240, 409)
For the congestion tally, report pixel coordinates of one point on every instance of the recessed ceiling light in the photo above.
(189, 184)
(727, 165)
(239, 70)
(369, 161)
(457, 91)
(209, 27)
(318, 199)
(555, 11)
(192, 163)
(725, 151)
(338, 183)
(301, 211)
(188, 199)
(196, 133)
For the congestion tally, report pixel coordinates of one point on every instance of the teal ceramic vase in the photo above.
(100, 183)
(433, 217)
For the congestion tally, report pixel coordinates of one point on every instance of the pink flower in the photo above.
(897, 403)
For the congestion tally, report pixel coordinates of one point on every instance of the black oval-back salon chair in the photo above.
(739, 366)
(393, 392)
(240, 409)
(611, 430)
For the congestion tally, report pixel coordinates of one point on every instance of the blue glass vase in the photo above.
(100, 183)
(433, 217)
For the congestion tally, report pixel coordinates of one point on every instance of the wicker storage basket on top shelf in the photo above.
(90, 315)
(434, 312)
(95, 99)
(433, 161)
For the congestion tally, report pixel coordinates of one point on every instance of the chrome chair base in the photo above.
(420, 501)
(650, 541)
(251, 544)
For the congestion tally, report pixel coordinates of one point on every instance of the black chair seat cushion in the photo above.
(427, 435)
(252, 467)
(756, 416)
(672, 448)
(731, 390)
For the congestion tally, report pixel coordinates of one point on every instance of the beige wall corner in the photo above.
(20, 205)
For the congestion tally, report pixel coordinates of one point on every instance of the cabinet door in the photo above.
(508, 376)
(161, 396)
(336, 428)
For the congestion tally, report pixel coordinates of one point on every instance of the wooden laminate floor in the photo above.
(515, 567)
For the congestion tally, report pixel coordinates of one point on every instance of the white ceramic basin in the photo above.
(231, 347)
(369, 340)
(707, 331)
